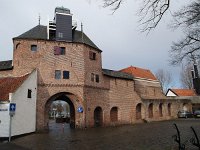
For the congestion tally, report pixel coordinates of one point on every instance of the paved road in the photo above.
(147, 136)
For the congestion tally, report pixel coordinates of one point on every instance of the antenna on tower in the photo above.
(82, 32)
(39, 18)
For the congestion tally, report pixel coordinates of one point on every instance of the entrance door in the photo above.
(98, 117)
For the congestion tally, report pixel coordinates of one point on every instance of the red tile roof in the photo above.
(10, 85)
(184, 92)
(139, 72)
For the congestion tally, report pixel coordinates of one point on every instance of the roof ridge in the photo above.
(139, 72)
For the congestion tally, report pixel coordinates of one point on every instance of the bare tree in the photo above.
(188, 48)
(151, 11)
(188, 18)
(59, 108)
(186, 77)
(164, 77)
(115, 4)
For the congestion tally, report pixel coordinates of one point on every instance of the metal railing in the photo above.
(194, 140)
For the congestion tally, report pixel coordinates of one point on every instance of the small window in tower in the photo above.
(29, 95)
(97, 78)
(65, 74)
(17, 45)
(57, 74)
(92, 55)
(92, 77)
(62, 50)
(34, 48)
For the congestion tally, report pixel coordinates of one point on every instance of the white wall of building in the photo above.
(170, 93)
(4, 120)
(24, 120)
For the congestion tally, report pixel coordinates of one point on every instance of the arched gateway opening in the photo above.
(60, 112)
(98, 117)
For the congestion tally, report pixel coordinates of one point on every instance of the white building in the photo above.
(23, 92)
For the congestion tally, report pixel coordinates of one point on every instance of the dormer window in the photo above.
(60, 35)
(34, 48)
(92, 55)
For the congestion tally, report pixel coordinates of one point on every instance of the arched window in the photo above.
(150, 110)
(114, 114)
(98, 116)
(169, 109)
(185, 106)
(139, 111)
(161, 110)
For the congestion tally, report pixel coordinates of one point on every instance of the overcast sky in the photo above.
(117, 35)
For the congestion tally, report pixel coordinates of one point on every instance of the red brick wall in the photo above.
(108, 93)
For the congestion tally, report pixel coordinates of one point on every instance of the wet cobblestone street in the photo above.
(146, 136)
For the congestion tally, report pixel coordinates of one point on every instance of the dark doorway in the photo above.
(98, 117)
(61, 112)
(114, 114)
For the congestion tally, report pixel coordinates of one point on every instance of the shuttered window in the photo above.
(59, 50)
(94, 77)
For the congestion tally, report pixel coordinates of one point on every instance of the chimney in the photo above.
(196, 79)
(63, 21)
(196, 74)
(192, 72)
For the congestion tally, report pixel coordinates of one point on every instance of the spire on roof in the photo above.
(39, 18)
(82, 32)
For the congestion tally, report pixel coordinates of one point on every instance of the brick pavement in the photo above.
(146, 136)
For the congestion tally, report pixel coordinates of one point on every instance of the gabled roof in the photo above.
(139, 73)
(6, 65)
(10, 85)
(117, 74)
(184, 92)
(39, 32)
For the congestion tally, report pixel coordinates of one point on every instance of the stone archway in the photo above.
(98, 117)
(150, 110)
(140, 111)
(66, 97)
(114, 114)
(169, 109)
(186, 107)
